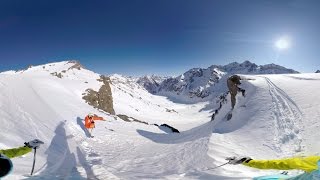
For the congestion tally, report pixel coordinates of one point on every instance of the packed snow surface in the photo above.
(278, 117)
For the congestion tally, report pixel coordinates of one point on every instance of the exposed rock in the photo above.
(233, 82)
(221, 100)
(103, 98)
(124, 117)
(91, 97)
(171, 110)
(166, 127)
(59, 75)
(229, 116)
(143, 122)
(318, 71)
(76, 65)
(131, 119)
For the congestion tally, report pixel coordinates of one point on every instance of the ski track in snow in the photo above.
(148, 160)
(287, 117)
(93, 160)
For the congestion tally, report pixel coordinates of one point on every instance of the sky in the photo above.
(165, 37)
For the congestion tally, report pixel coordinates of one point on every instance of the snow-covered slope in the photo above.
(36, 104)
(278, 117)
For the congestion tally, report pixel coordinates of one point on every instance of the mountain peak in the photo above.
(247, 63)
(62, 66)
(71, 69)
(151, 83)
(76, 64)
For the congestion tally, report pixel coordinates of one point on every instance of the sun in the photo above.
(282, 43)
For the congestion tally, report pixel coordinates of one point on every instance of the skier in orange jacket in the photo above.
(89, 121)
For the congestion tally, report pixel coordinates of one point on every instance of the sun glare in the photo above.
(282, 43)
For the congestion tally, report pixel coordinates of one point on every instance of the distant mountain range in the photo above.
(200, 83)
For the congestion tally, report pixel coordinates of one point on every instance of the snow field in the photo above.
(278, 117)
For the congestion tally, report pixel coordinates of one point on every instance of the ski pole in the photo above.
(219, 166)
(34, 160)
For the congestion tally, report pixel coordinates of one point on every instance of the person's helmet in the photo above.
(5, 166)
(90, 115)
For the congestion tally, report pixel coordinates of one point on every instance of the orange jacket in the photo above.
(89, 123)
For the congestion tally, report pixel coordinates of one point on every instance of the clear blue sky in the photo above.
(136, 37)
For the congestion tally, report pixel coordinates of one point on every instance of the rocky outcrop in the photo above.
(164, 127)
(124, 117)
(76, 65)
(131, 119)
(103, 98)
(233, 82)
(91, 97)
(105, 95)
(167, 128)
(59, 75)
(171, 110)
(221, 100)
(318, 71)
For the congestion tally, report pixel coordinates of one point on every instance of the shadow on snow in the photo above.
(61, 162)
(81, 124)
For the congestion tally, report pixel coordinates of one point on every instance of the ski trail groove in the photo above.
(287, 118)
(93, 158)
